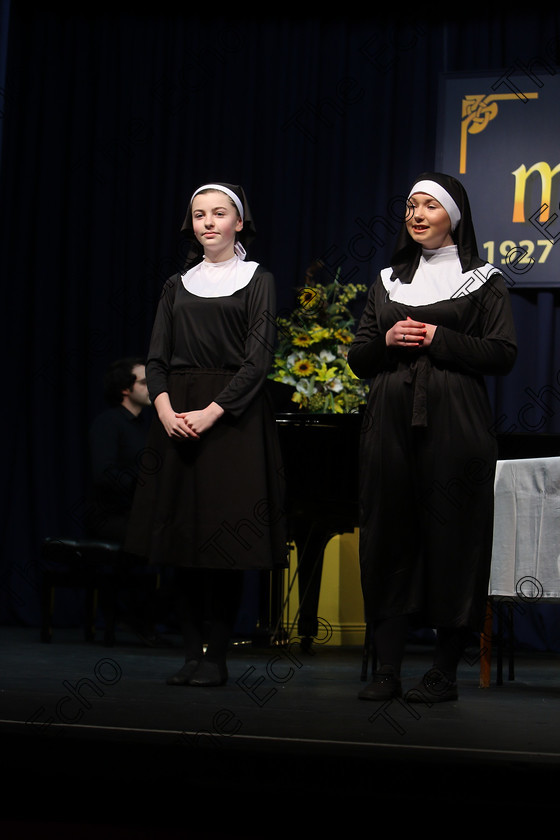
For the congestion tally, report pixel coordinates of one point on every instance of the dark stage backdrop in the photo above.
(110, 118)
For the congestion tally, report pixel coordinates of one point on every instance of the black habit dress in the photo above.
(428, 455)
(216, 502)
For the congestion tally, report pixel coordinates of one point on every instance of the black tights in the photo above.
(390, 638)
(208, 601)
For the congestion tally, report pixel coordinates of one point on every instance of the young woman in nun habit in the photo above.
(210, 500)
(436, 322)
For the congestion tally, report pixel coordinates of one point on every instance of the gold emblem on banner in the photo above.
(477, 111)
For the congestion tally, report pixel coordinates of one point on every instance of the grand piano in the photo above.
(321, 461)
(320, 454)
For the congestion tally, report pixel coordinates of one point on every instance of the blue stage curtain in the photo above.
(112, 115)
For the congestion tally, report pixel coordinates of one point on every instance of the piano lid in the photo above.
(331, 421)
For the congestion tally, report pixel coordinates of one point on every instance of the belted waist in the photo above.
(418, 376)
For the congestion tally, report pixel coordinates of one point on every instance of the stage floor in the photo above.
(94, 735)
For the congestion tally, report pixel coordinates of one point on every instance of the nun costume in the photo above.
(214, 504)
(428, 452)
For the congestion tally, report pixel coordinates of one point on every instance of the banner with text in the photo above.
(500, 136)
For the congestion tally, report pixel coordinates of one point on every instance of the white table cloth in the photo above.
(526, 547)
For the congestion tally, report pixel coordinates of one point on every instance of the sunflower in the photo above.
(303, 367)
(302, 340)
(313, 343)
(309, 298)
(344, 336)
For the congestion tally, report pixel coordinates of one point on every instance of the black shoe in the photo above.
(384, 686)
(183, 676)
(209, 674)
(434, 687)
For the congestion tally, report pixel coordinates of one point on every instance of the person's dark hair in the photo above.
(119, 376)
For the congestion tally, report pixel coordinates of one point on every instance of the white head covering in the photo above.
(441, 194)
(227, 191)
(446, 272)
(244, 237)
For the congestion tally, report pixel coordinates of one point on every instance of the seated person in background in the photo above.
(117, 439)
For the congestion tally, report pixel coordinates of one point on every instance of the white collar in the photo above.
(221, 279)
(439, 276)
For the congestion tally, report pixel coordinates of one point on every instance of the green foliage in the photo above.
(313, 344)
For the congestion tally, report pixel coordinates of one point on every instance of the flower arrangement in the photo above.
(313, 344)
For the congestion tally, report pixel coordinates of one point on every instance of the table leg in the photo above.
(486, 648)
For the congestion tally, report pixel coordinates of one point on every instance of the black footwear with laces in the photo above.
(384, 686)
(434, 687)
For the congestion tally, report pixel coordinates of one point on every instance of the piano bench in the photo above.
(98, 567)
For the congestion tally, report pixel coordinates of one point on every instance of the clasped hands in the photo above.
(410, 333)
(188, 424)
